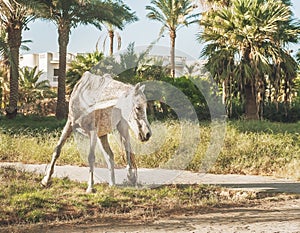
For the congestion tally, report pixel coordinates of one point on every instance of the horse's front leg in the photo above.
(64, 136)
(91, 158)
(131, 165)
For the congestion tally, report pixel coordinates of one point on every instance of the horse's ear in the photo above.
(142, 88)
(138, 87)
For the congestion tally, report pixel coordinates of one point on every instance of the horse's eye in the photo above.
(138, 108)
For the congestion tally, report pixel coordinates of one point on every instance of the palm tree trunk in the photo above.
(14, 43)
(111, 35)
(172, 37)
(251, 108)
(63, 40)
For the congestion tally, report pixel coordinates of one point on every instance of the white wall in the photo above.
(45, 62)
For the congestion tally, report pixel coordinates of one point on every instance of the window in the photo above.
(55, 72)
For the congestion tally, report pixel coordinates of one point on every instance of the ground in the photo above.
(270, 216)
(273, 214)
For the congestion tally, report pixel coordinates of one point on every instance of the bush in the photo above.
(283, 113)
(186, 98)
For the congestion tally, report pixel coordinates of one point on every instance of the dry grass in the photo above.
(24, 201)
(248, 148)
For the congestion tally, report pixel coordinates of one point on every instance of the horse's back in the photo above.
(93, 100)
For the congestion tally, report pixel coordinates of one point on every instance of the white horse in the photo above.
(97, 106)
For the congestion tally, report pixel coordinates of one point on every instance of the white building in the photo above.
(46, 62)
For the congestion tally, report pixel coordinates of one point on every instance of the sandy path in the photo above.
(156, 177)
(270, 217)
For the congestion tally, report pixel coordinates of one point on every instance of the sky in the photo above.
(83, 39)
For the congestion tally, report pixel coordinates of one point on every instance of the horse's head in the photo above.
(138, 121)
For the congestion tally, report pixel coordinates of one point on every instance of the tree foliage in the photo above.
(82, 63)
(173, 15)
(247, 51)
(14, 17)
(31, 87)
(69, 14)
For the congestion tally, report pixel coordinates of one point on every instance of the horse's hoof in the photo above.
(44, 183)
(132, 180)
(111, 184)
(90, 190)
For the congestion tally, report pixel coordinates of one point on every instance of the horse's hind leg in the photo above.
(65, 134)
(93, 141)
(109, 158)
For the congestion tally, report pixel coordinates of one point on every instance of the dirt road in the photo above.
(156, 177)
(270, 217)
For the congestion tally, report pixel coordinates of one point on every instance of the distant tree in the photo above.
(31, 89)
(81, 64)
(112, 33)
(191, 69)
(69, 14)
(246, 49)
(173, 15)
(14, 17)
(298, 56)
(153, 69)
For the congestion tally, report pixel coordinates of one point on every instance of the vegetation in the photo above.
(69, 14)
(23, 201)
(31, 89)
(81, 64)
(247, 52)
(112, 33)
(129, 68)
(173, 15)
(256, 73)
(133, 67)
(249, 147)
(14, 17)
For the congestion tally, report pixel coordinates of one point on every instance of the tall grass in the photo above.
(249, 147)
(266, 149)
(32, 140)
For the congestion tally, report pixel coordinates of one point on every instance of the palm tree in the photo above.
(244, 46)
(173, 15)
(81, 64)
(5, 60)
(69, 14)
(31, 89)
(14, 17)
(112, 33)
(3, 69)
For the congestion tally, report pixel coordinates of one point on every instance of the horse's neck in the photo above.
(125, 104)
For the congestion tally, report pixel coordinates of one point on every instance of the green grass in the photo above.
(250, 147)
(32, 140)
(23, 200)
(30, 125)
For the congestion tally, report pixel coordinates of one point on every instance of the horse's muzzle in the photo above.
(145, 137)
